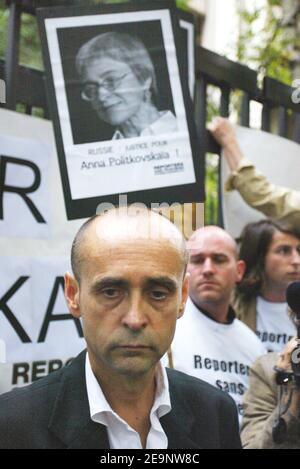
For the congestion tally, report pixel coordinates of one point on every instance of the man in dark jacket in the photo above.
(129, 286)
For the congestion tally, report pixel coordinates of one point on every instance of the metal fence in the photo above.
(279, 113)
(27, 86)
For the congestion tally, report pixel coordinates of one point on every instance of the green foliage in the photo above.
(183, 4)
(3, 28)
(211, 189)
(30, 47)
(273, 54)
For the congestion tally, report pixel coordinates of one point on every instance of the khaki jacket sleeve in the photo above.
(261, 409)
(259, 193)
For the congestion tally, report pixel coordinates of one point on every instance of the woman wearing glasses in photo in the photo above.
(118, 80)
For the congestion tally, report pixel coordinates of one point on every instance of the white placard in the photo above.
(90, 162)
(34, 258)
(24, 164)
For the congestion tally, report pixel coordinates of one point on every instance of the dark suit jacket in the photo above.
(54, 413)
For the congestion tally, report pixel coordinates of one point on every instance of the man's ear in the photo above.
(184, 294)
(241, 267)
(72, 294)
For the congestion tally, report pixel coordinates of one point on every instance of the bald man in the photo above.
(129, 286)
(210, 343)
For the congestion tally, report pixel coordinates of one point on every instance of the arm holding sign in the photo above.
(274, 201)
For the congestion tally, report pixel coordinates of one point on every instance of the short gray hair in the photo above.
(122, 47)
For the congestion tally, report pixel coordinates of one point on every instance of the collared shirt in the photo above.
(120, 434)
(230, 315)
(218, 353)
(164, 124)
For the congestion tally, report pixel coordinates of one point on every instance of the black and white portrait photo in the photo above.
(120, 105)
(123, 88)
(187, 24)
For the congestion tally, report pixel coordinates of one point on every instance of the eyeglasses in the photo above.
(90, 89)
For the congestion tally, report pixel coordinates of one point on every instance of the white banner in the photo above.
(23, 162)
(37, 333)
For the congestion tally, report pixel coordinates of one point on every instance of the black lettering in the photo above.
(223, 385)
(197, 361)
(232, 388)
(54, 365)
(264, 337)
(216, 365)
(223, 366)
(38, 370)
(207, 363)
(20, 370)
(226, 386)
(21, 191)
(9, 314)
(219, 384)
(49, 317)
(284, 338)
(233, 367)
(241, 389)
(272, 337)
(33, 371)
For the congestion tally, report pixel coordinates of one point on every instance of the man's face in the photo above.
(213, 269)
(115, 92)
(282, 262)
(129, 298)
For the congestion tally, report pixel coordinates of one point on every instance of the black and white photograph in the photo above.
(120, 105)
(123, 88)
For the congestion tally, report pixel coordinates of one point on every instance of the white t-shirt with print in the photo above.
(220, 354)
(273, 325)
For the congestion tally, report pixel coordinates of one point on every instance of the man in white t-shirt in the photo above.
(271, 251)
(210, 343)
